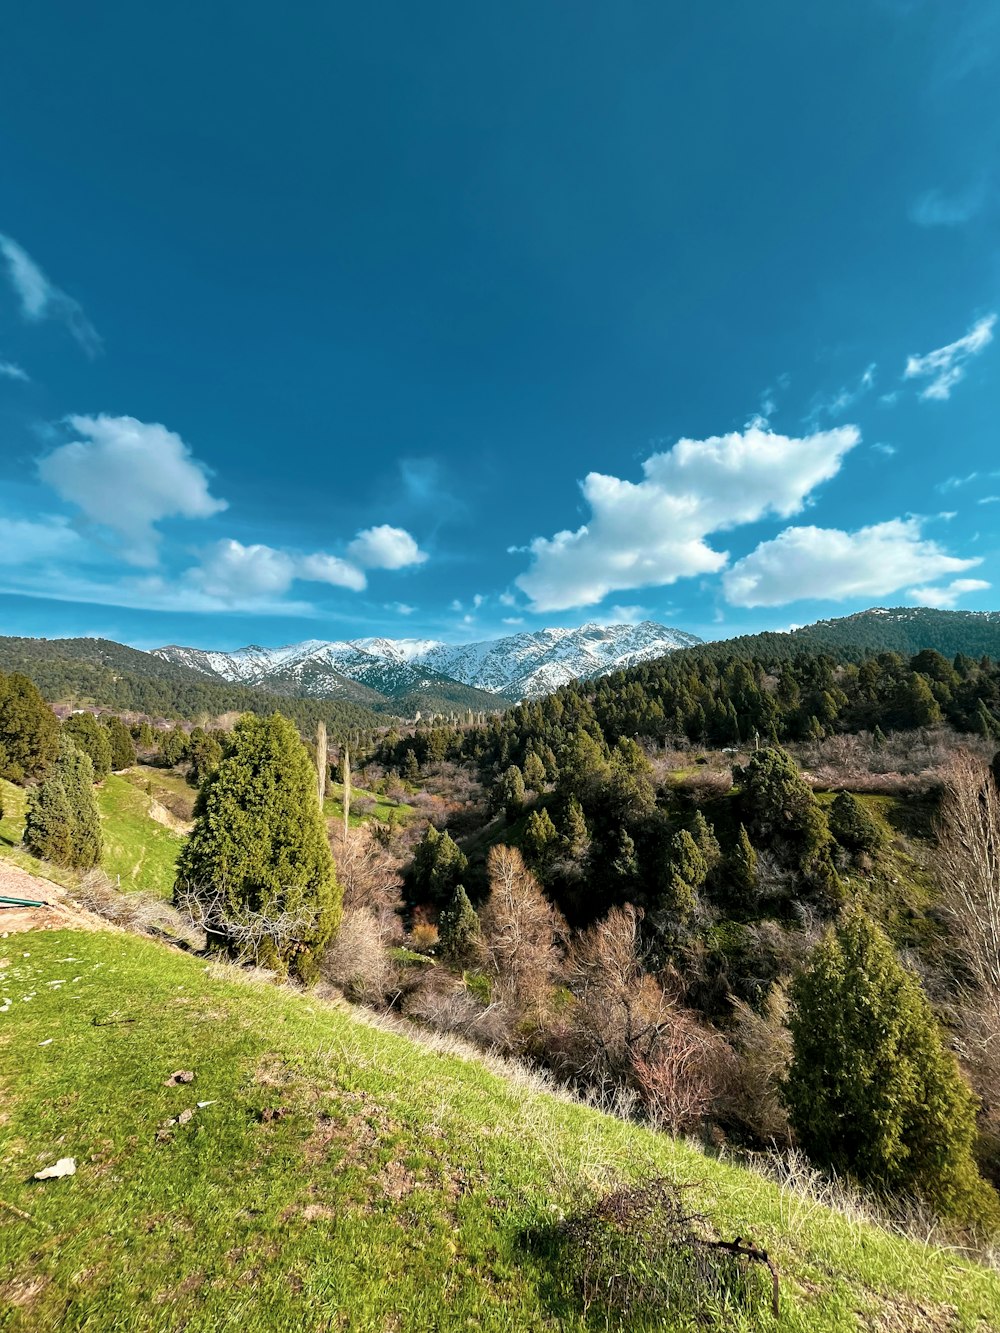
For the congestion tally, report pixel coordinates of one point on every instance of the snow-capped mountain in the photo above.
(521, 666)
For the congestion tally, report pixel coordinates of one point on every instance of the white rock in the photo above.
(66, 1166)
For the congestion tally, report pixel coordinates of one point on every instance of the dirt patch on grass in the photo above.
(22, 1292)
(168, 819)
(897, 1314)
(395, 1181)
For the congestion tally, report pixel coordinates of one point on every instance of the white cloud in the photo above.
(513, 620)
(988, 500)
(886, 449)
(626, 615)
(12, 371)
(41, 299)
(948, 595)
(507, 599)
(231, 572)
(653, 532)
(401, 608)
(322, 568)
(946, 366)
(126, 475)
(845, 397)
(385, 547)
(32, 541)
(828, 564)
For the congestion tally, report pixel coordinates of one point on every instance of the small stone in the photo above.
(66, 1166)
(179, 1076)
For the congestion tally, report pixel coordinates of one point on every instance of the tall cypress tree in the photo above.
(88, 735)
(63, 823)
(259, 847)
(29, 732)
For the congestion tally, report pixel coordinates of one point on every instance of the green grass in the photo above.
(383, 809)
(136, 848)
(171, 789)
(345, 1177)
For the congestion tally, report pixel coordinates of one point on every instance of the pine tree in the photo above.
(459, 932)
(707, 843)
(534, 772)
(742, 866)
(871, 1091)
(258, 848)
(508, 793)
(411, 769)
(204, 754)
(29, 732)
(438, 866)
(686, 873)
(145, 736)
(88, 735)
(879, 738)
(540, 837)
(574, 832)
(173, 747)
(63, 823)
(122, 746)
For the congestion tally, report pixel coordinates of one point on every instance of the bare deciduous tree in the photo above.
(243, 931)
(321, 761)
(522, 931)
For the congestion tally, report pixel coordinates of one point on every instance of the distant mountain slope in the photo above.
(473, 675)
(899, 629)
(111, 675)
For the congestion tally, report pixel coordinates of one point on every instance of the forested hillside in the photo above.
(111, 675)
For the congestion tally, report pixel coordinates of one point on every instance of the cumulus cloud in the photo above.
(948, 595)
(126, 476)
(233, 572)
(654, 532)
(41, 299)
(10, 370)
(946, 366)
(385, 547)
(829, 564)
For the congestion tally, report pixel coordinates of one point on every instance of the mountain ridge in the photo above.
(518, 666)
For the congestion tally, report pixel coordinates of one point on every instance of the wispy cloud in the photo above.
(935, 208)
(41, 299)
(844, 399)
(949, 594)
(11, 371)
(945, 366)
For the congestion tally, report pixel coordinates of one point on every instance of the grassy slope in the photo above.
(392, 1194)
(136, 847)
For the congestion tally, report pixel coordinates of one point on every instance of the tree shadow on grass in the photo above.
(638, 1259)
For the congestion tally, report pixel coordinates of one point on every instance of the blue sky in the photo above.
(325, 321)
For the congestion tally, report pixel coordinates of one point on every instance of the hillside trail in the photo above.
(56, 914)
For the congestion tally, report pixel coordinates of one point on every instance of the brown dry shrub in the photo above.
(763, 1050)
(141, 913)
(368, 869)
(358, 961)
(423, 936)
(685, 1077)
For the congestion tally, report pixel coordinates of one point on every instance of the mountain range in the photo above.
(519, 666)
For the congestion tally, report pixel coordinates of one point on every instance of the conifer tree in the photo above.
(508, 793)
(411, 768)
(122, 746)
(534, 772)
(707, 843)
(88, 735)
(459, 930)
(29, 731)
(258, 851)
(854, 826)
(540, 837)
(574, 832)
(438, 866)
(63, 824)
(871, 1091)
(742, 866)
(204, 754)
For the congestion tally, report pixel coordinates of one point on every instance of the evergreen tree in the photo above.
(173, 747)
(706, 841)
(63, 824)
(204, 754)
(871, 1091)
(458, 929)
(574, 834)
(540, 837)
(508, 793)
(122, 746)
(742, 866)
(534, 772)
(855, 827)
(145, 736)
(686, 873)
(29, 731)
(411, 768)
(879, 738)
(438, 866)
(88, 735)
(258, 848)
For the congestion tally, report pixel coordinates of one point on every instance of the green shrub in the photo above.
(29, 732)
(63, 824)
(855, 827)
(88, 735)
